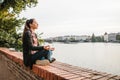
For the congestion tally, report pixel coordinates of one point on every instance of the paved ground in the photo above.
(5, 74)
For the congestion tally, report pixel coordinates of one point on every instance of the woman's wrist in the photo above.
(46, 47)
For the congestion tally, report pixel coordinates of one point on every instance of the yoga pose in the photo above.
(32, 52)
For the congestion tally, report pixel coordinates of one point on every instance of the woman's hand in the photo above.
(46, 47)
(52, 49)
(49, 48)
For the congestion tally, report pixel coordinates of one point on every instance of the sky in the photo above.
(75, 17)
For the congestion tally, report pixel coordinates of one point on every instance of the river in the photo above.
(104, 57)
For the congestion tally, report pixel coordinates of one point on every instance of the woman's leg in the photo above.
(49, 54)
(40, 55)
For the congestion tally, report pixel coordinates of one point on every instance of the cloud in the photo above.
(60, 16)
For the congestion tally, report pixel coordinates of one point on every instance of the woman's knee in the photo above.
(48, 52)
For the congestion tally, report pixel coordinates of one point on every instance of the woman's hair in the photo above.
(27, 25)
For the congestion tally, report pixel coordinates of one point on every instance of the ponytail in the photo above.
(27, 25)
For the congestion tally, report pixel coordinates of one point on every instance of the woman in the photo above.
(32, 52)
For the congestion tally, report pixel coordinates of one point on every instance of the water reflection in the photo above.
(103, 57)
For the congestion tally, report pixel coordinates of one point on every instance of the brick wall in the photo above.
(55, 71)
(19, 71)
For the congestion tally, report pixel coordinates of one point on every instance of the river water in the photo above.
(104, 57)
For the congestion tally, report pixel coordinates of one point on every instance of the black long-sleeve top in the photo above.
(28, 47)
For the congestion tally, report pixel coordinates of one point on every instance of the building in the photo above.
(105, 37)
(81, 38)
(112, 37)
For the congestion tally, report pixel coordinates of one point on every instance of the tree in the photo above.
(118, 38)
(102, 39)
(93, 38)
(99, 39)
(41, 41)
(10, 21)
(72, 39)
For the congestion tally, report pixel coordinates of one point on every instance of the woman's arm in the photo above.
(28, 38)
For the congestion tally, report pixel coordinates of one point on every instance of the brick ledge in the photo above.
(58, 70)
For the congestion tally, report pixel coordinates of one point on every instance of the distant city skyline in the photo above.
(75, 17)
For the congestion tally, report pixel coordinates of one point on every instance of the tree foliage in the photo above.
(10, 21)
(99, 39)
(117, 37)
(93, 39)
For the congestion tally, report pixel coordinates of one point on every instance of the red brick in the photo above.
(0, 56)
(117, 77)
(21, 62)
(9, 56)
(79, 78)
(35, 69)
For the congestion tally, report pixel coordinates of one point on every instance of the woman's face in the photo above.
(34, 24)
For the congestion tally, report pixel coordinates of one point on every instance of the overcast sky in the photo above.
(75, 17)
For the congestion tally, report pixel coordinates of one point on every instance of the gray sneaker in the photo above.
(42, 62)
